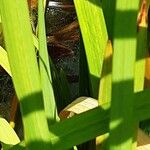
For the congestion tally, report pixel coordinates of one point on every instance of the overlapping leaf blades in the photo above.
(94, 122)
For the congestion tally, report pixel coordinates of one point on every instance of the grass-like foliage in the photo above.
(112, 65)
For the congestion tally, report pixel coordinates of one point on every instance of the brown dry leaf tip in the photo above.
(143, 14)
(78, 106)
(52, 40)
(67, 29)
(13, 111)
(68, 33)
(32, 4)
(143, 141)
(147, 72)
(58, 51)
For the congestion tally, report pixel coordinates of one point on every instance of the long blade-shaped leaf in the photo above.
(25, 74)
(98, 125)
(141, 51)
(108, 9)
(83, 72)
(4, 57)
(95, 121)
(47, 88)
(141, 46)
(95, 38)
(105, 84)
(105, 88)
(123, 75)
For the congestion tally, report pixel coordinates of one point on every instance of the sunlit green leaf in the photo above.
(124, 46)
(7, 134)
(94, 33)
(45, 72)
(25, 72)
(4, 60)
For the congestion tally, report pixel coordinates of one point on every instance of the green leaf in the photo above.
(20, 146)
(124, 46)
(93, 123)
(83, 72)
(94, 33)
(64, 89)
(7, 134)
(61, 87)
(1, 34)
(80, 128)
(106, 81)
(4, 60)
(106, 88)
(140, 59)
(25, 72)
(109, 11)
(45, 72)
(35, 41)
(4, 57)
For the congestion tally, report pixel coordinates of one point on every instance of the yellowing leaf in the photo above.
(4, 60)
(7, 134)
(4, 57)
